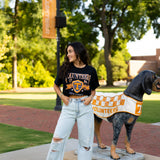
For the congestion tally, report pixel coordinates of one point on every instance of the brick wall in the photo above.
(136, 66)
(158, 58)
(140, 63)
(146, 58)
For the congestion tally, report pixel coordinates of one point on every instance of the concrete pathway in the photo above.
(40, 152)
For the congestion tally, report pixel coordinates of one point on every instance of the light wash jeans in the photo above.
(76, 111)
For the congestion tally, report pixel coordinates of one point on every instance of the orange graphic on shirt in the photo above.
(77, 86)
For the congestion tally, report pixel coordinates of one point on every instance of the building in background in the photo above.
(140, 63)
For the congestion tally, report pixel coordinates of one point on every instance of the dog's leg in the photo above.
(114, 155)
(128, 147)
(117, 122)
(129, 126)
(97, 125)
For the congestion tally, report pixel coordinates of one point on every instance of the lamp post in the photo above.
(58, 106)
(60, 23)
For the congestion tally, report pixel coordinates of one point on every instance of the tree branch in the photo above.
(120, 19)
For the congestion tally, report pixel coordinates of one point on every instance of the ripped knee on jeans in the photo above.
(56, 140)
(87, 148)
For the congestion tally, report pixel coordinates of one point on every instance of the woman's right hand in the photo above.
(65, 99)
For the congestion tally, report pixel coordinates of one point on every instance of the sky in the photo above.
(146, 46)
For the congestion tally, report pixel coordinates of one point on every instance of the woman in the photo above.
(79, 83)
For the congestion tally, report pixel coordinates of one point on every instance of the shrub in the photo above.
(4, 81)
(101, 72)
(33, 76)
(41, 77)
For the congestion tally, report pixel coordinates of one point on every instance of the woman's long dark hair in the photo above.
(81, 54)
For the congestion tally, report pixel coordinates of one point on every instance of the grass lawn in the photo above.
(32, 103)
(150, 111)
(32, 100)
(14, 138)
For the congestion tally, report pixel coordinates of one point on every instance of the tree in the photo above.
(82, 32)
(119, 67)
(119, 59)
(3, 50)
(4, 84)
(10, 22)
(129, 19)
(77, 29)
(14, 35)
(27, 29)
(24, 24)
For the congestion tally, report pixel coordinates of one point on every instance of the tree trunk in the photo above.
(14, 71)
(107, 54)
(14, 58)
(107, 45)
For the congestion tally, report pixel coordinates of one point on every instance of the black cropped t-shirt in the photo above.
(79, 81)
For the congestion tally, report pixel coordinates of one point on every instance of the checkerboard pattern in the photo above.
(106, 101)
(106, 104)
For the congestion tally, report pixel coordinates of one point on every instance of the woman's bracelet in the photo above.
(91, 97)
(61, 94)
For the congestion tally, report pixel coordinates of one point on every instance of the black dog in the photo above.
(144, 82)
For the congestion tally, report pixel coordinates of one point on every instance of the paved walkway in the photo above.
(145, 137)
(40, 153)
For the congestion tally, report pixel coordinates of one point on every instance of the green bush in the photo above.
(119, 67)
(4, 81)
(33, 76)
(41, 77)
(25, 70)
(101, 72)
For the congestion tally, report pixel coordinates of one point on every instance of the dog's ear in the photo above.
(147, 82)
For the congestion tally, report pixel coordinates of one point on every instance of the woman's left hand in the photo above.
(87, 100)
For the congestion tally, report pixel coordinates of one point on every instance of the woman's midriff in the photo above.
(73, 96)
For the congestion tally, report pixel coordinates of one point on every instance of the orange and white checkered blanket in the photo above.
(106, 104)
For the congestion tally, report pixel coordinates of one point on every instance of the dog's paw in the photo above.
(115, 158)
(102, 146)
(130, 151)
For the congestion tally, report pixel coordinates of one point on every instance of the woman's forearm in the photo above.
(93, 92)
(57, 90)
